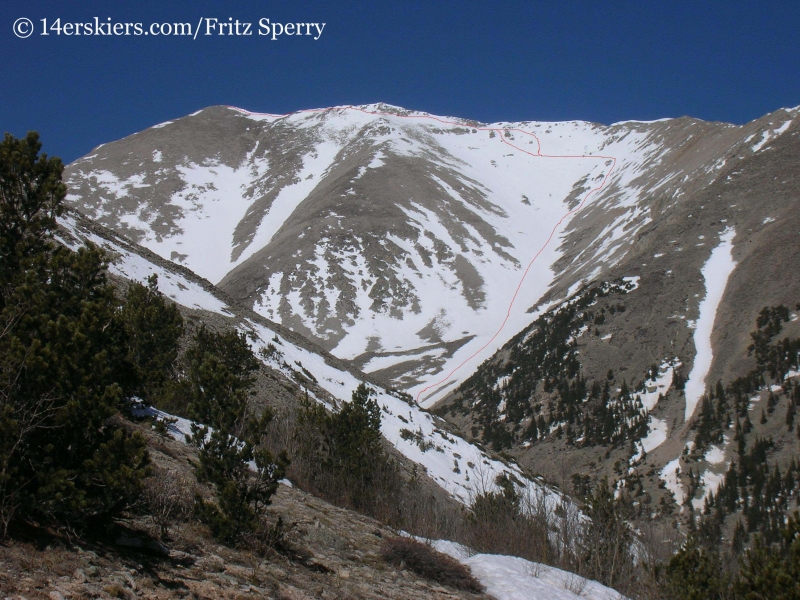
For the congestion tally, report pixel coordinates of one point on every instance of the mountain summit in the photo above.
(408, 243)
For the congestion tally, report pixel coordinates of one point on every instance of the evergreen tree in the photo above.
(694, 573)
(153, 328)
(345, 450)
(357, 436)
(229, 436)
(62, 455)
(772, 571)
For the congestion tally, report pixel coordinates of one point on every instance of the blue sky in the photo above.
(499, 60)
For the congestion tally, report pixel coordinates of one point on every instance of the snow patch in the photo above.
(770, 135)
(715, 455)
(513, 578)
(633, 280)
(716, 272)
(656, 436)
(670, 475)
(709, 483)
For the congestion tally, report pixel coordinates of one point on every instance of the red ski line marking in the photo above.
(501, 131)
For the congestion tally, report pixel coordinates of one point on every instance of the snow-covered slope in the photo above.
(710, 253)
(412, 244)
(461, 468)
(514, 578)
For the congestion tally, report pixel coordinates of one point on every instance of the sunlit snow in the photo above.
(716, 272)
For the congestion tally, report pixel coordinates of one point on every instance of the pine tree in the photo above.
(230, 436)
(772, 571)
(153, 328)
(357, 436)
(695, 573)
(62, 456)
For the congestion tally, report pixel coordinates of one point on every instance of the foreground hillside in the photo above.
(323, 552)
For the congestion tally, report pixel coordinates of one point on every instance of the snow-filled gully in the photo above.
(716, 272)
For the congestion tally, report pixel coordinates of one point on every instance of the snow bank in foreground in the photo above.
(513, 578)
(715, 274)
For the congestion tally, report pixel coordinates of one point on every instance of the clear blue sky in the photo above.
(493, 60)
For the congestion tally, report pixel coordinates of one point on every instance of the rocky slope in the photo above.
(398, 239)
(681, 305)
(325, 552)
(328, 553)
(479, 267)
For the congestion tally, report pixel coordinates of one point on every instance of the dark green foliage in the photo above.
(31, 197)
(678, 380)
(242, 495)
(773, 357)
(153, 328)
(539, 380)
(695, 573)
(357, 435)
(712, 419)
(348, 449)
(62, 456)
(221, 370)
(766, 570)
(760, 491)
(496, 506)
(772, 571)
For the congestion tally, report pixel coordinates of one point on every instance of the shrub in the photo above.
(501, 521)
(168, 499)
(426, 562)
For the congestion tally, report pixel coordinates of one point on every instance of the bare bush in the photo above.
(395, 494)
(574, 583)
(426, 562)
(537, 569)
(169, 498)
(268, 537)
(501, 521)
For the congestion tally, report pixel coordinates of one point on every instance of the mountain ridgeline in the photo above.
(397, 239)
(604, 307)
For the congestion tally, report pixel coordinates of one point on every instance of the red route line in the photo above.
(501, 130)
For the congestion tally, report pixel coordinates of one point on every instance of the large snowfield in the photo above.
(518, 188)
